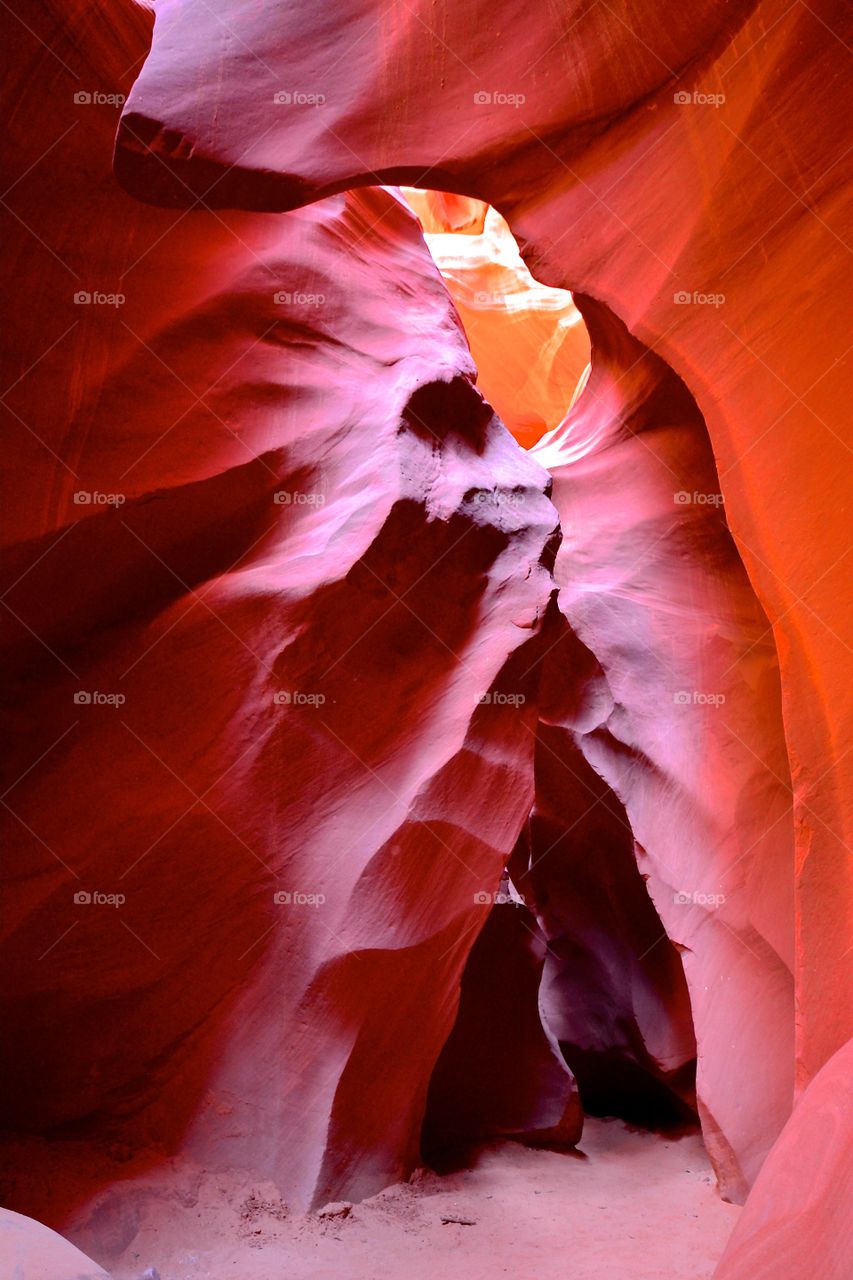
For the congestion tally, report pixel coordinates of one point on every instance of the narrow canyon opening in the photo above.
(575, 965)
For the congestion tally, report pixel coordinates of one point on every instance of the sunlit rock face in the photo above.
(528, 341)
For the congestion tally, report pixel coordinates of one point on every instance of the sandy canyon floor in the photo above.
(628, 1205)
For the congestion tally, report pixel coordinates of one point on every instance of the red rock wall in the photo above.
(657, 154)
(320, 552)
(649, 159)
(408, 573)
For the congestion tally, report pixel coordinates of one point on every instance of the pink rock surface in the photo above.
(321, 550)
(619, 144)
(798, 1220)
(30, 1251)
(677, 707)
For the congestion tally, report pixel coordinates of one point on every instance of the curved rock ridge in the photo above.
(633, 152)
(798, 1213)
(680, 714)
(528, 341)
(34, 1252)
(676, 706)
(271, 565)
(442, 211)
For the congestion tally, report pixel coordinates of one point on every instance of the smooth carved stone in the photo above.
(633, 153)
(31, 1251)
(257, 781)
(670, 692)
(797, 1220)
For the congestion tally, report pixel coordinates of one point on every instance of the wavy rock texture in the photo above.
(679, 714)
(648, 157)
(619, 144)
(262, 502)
(664, 693)
(321, 551)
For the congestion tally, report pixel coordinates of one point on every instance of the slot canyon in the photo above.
(426, 616)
